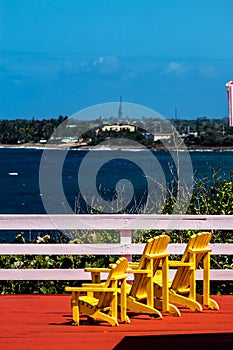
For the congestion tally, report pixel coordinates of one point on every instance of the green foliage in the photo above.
(54, 261)
(214, 199)
(23, 130)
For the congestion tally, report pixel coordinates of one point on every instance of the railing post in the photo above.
(126, 239)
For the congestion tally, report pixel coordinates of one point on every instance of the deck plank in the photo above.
(44, 322)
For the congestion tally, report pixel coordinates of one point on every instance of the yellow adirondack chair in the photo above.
(182, 289)
(105, 307)
(140, 296)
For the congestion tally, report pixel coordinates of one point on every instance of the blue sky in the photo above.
(60, 56)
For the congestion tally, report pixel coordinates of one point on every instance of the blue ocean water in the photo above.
(19, 174)
(21, 194)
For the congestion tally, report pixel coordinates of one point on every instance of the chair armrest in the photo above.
(87, 285)
(90, 289)
(138, 271)
(200, 250)
(119, 277)
(97, 269)
(133, 265)
(179, 263)
(157, 256)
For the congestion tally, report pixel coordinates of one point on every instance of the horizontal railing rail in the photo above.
(124, 223)
(115, 221)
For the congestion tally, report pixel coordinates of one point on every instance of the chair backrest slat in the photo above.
(117, 270)
(156, 245)
(199, 242)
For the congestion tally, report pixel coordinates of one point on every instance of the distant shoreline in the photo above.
(108, 147)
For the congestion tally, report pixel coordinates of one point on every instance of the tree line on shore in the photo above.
(201, 132)
(27, 131)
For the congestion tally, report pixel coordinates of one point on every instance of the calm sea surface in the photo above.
(19, 173)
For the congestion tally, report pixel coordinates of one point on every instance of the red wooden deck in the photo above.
(44, 322)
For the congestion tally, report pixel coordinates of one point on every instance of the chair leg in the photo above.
(182, 300)
(165, 290)
(97, 314)
(105, 317)
(159, 303)
(212, 304)
(171, 309)
(134, 305)
(123, 304)
(75, 308)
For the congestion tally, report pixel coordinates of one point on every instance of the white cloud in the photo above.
(178, 68)
(99, 60)
(106, 64)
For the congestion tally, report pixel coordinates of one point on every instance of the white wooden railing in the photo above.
(124, 223)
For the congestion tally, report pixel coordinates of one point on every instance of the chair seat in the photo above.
(88, 300)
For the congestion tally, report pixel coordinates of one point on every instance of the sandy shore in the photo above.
(109, 147)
